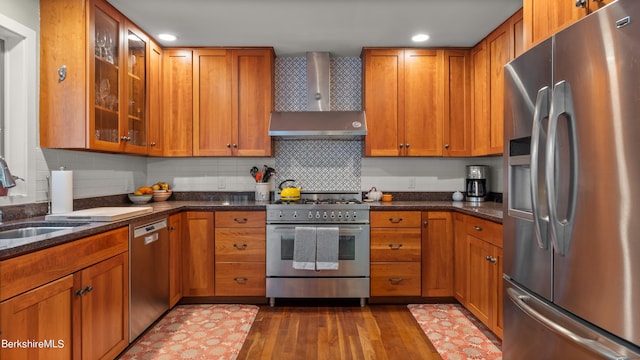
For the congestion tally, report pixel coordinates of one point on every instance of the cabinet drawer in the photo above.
(485, 230)
(395, 219)
(240, 279)
(240, 219)
(395, 279)
(240, 245)
(395, 245)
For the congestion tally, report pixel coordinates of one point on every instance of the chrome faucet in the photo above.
(6, 179)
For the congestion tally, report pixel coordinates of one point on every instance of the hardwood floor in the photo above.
(294, 331)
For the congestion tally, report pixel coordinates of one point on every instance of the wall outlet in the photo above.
(412, 183)
(222, 182)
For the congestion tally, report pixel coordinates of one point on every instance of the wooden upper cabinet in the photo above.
(423, 102)
(543, 18)
(233, 100)
(500, 49)
(487, 96)
(155, 132)
(212, 115)
(480, 99)
(404, 100)
(88, 81)
(457, 101)
(383, 100)
(177, 101)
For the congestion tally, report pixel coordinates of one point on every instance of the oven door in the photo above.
(353, 255)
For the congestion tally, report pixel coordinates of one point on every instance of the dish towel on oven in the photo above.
(304, 248)
(327, 246)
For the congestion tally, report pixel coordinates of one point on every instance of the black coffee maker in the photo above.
(476, 183)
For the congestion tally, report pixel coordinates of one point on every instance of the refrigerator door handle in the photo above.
(561, 106)
(521, 301)
(541, 112)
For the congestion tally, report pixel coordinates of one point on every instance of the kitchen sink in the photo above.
(31, 230)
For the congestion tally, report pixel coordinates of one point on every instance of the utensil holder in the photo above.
(262, 191)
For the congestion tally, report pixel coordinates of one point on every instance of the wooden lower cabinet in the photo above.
(483, 246)
(460, 259)
(240, 253)
(175, 258)
(437, 254)
(72, 297)
(395, 253)
(198, 254)
(42, 314)
(104, 295)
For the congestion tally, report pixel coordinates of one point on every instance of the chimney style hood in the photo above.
(318, 121)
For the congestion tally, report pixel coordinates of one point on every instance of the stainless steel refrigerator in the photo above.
(572, 192)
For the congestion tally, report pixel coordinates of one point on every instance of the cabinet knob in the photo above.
(235, 146)
(172, 228)
(401, 146)
(125, 138)
(446, 146)
(153, 143)
(425, 223)
(228, 145)
(581, 3)
(406, 145)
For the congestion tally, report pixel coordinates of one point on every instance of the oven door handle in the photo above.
(344, 229)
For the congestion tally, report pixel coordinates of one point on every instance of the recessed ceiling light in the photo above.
(420, 37)
(167, 37)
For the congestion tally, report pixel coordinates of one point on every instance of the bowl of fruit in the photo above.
(141, 196)
(161, 191)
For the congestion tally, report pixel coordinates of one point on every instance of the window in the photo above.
(18, 107)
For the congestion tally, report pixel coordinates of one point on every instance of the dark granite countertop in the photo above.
(10, 248)
(486, 210)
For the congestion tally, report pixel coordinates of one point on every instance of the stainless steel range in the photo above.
(318, 247)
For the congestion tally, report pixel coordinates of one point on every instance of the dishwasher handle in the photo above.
(144, 230)
(151, 238)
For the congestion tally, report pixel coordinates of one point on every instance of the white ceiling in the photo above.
(341, 27)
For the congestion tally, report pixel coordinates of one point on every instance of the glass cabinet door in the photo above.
(135, 93)
(106, 126)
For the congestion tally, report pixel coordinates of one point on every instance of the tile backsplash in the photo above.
(319, 165)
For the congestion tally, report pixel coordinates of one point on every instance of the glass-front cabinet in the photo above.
(118, 120)
(93, 78)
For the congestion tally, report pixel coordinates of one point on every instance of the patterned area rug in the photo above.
(456, 333)
(196, 332)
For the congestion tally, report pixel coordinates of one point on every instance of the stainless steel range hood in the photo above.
(318, 121)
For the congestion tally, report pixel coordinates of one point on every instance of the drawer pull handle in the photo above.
(241, 220)
(395, 281)
(241, 280)
(395, 246)
(240, 246)
(477, 228)
(395, 220)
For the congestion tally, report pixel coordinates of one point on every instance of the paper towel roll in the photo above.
(61, 191)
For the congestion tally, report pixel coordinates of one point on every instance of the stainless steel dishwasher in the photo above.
(148, 275)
